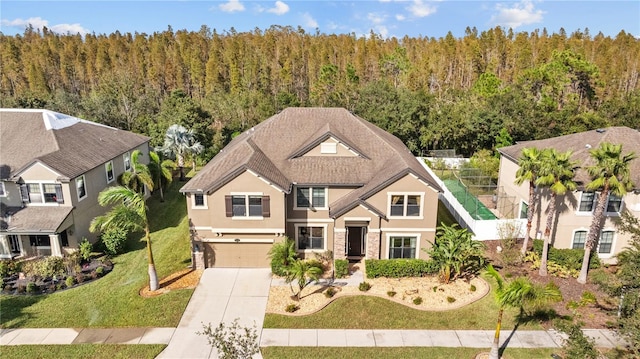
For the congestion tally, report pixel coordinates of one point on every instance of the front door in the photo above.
(355, 241)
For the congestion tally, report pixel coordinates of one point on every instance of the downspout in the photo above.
(380, 237)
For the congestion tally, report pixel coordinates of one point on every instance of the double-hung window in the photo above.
(402, 247)
(199, 201)
(311, 197)
(44, 193)
(310, 238)
(81, 187)
(579, 239)
(405, 205)
(524, 210)
(247, 206)
(614, 204)
(587, 200)
(108, 170)
(126, 158)
(605, 243)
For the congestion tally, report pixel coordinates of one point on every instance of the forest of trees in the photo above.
(433, 93)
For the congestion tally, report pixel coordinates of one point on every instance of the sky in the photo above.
(387, 18)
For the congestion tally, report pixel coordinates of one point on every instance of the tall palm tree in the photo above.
(180, 142)
(609, 175)
(519, 293)
(161, 171)
(529, 166)
(139, 175)
(556, 173)
(129, 212)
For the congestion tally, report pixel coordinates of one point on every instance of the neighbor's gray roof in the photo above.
(273, 149)
(581, 143)
(68, 145)
(34, 219)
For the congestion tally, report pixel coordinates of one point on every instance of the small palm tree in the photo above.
(139, 176)
(180, 142)
(529, 163)
(161, 171)
(610, 175)
(129, 212)
(556, 172)
(455, 252)
(303, 272)
(519, 293)
(282, 254)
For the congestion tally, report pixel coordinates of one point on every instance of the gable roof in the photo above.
(581, 143)
(68, 145)
(273, 149)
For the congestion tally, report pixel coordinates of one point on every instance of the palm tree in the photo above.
(303, 271)
(519, 293)
(282, 254)
(139, 176)
(129, 212)
(456, 253)
(529, 165)
(556, 172)
(180, 142)
(161, 171)
(610, 175)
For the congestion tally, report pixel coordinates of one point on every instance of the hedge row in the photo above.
(397, 268)
(570, 258)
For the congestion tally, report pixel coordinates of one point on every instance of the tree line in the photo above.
(433, 93)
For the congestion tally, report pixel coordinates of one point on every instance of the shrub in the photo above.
(456, 253)
(341, 268)
(114, 240)
(472, 288)
(85, 249)
(330, 292)
(398, 268)
(451, 299)
(577, 345)
(100, 271)
(72, 262)
(9, 268)
(233, 342)
(570, 258)
(291, 308)
(70, 281)
(364, 286)
(417, 300)
(44, 267)
(32, 287)
(391, 293)
(282, 255)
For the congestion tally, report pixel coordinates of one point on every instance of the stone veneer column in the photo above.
(373, 245)
(339, 242)
(197, 256)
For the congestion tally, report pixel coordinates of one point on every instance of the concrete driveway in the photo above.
(223, 294)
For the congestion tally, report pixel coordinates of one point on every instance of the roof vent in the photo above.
(600, 130)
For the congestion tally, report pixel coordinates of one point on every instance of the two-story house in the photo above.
(576, 210)
(52, 168)
(322, 176)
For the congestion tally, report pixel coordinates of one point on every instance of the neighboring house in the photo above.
(321, 176)
(52, 168)
(576, 212)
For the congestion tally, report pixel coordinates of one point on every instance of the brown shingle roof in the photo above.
(68, 145)
(274, 150)
(30, 219)
(581, 143)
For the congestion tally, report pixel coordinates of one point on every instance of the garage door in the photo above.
(247, 255)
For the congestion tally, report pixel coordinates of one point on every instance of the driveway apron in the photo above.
(222, 295)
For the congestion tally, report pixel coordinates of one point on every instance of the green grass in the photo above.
(113, 301)
(393, 353)
(369, 312)
(89, 351)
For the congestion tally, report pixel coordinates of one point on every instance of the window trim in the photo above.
(106, 171)
(593, 203)
(205, 204)
(42, 192)
(247, 217)
(573, 236)
(84, 184)
(390, 235)
(311, 207)
(325, 234)
(405, 194)
(613, 243)
(126, 159)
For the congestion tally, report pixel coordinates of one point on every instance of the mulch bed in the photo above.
(184, 279)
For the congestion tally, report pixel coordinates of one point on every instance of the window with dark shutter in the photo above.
(266, 206)
(228, 206)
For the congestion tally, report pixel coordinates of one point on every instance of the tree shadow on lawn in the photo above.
(13, 309)
(539, 316)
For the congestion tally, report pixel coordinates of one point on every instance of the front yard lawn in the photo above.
(114, 300)
(89, 351)
(392, 353)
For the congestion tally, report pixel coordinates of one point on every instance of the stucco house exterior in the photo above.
(324, 177)
(52, 168)
(576, 210)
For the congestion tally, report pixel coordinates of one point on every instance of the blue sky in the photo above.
(387, 18)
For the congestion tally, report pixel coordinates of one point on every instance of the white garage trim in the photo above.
(238, 240)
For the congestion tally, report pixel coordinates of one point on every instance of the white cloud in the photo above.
(280, 8)
(376, 18)
(419, 9)
(400, 17)
(232, 6)
(309, 21)
(523, 13)
(38, 23)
